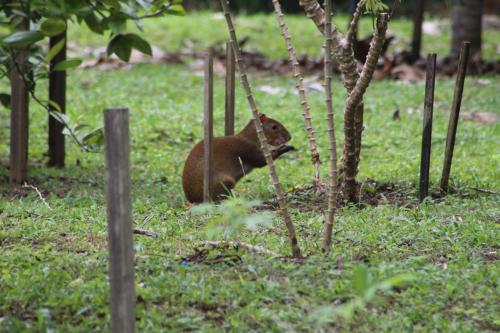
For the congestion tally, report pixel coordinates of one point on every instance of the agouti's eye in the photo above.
(274, 127)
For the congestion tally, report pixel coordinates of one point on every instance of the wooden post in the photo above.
(208, 128)
(418, 18)
(119, 210)
(454, 114)
(57, 94)
(230, 85)
(427, 128)
(19, 116)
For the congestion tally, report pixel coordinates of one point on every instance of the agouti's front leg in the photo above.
(281, 150)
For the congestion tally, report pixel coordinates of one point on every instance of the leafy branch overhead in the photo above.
(49, 18)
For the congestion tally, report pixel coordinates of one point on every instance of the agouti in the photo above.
(233, 157)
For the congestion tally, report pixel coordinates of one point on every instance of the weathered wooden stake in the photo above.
(230, 93)
(19, 116)
(208, 128)
(427, 128)
(119, 209)
(418, 18)
(454, 114)
(57, 94)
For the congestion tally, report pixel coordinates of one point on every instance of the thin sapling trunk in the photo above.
(332, 185)
(299, 84)
(260, 132)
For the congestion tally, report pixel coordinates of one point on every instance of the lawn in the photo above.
(439, 259)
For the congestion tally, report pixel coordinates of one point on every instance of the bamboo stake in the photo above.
(333, 187)
(454, 114)
(427, 126)
(208, 121)
(230, 94)
(260, 132)
(299, 84)
(57, 94)
(119, 214)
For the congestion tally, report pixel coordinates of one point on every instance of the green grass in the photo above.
(53, 262)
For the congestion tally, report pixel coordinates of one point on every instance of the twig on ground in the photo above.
(26, 185)
(482, 190)
(144, 232)
(146, 219)
(252, 248)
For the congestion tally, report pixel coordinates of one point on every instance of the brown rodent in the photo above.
(234, 157)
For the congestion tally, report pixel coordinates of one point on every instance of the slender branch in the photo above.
(353, 26)
(26, 185)
(94, 7)
(159, 12)
(299, 84)
(342, 52)
(376, 46)
(29, 83)
(333, 187)
(260, 132)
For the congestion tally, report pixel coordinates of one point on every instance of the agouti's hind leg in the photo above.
(222, 189)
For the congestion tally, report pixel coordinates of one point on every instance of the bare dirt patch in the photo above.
(372, 193)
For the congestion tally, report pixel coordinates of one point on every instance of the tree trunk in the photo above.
(418, 19)
(19, 120)
(466, 25)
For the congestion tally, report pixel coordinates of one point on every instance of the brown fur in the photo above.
(234, 156)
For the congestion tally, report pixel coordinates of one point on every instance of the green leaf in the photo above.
(117, 25)
(55, 106)
(53, 26)
(67, 64)
(60, 117)
(55, 49)
(94, 139)
(23, 38)
(5, 100)
(121, 46)
(176, 10)
(360, 280)
(93, 23)
(396, 281)
(139, 44)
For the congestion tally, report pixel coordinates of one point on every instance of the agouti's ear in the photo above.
(262, 117)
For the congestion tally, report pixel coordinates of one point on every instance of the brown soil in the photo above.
(372, 193)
